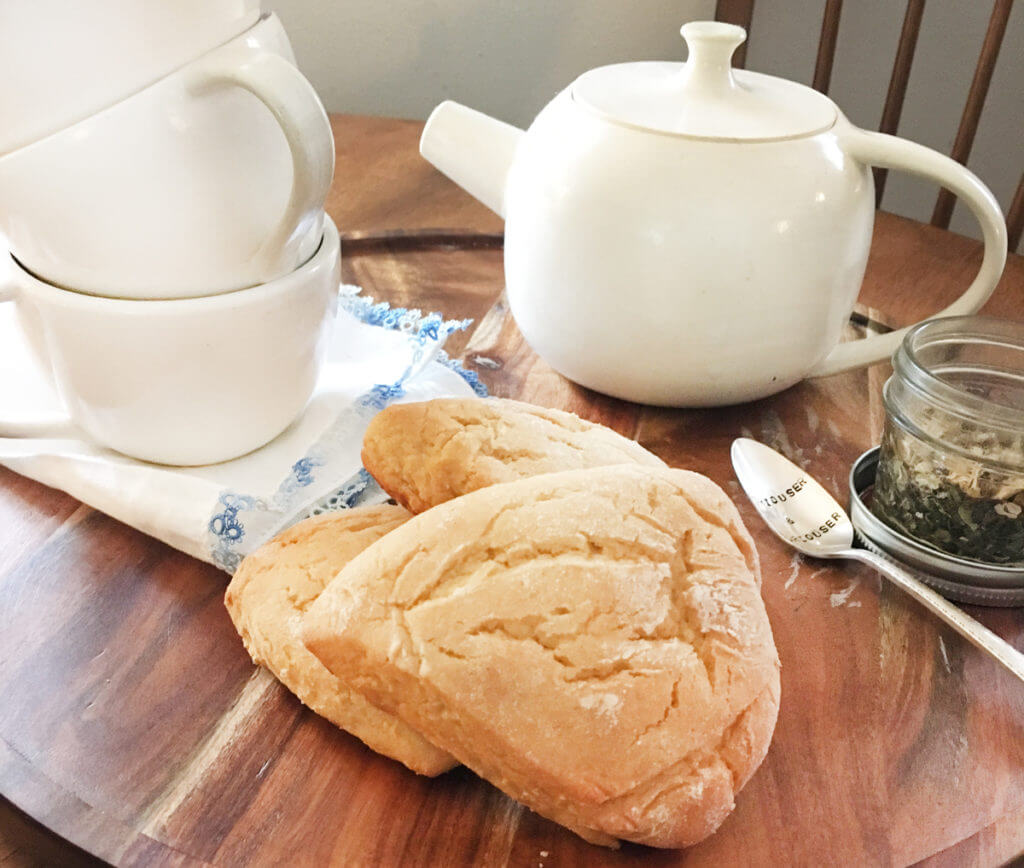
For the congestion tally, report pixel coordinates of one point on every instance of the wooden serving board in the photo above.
(133, 723)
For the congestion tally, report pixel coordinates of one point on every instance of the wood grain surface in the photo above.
(133, 724)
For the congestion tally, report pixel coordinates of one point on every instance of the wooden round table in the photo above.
(133, 724)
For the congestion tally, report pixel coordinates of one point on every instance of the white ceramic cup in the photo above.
(208, 181)
(181, 381)
(63, 60)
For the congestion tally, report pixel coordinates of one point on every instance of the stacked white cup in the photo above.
(163, 170)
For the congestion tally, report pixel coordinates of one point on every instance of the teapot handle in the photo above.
(891, 152)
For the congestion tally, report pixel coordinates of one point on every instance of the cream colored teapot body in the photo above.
(680, 235)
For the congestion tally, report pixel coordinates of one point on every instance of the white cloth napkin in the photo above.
(220, 512)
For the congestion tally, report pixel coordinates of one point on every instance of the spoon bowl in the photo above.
(793, 504)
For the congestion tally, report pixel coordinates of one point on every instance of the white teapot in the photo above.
(689, 234)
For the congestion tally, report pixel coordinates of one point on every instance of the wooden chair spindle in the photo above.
(898, 83)
(1015, 216)
(827, 45)
(736, 12)
(975, 103)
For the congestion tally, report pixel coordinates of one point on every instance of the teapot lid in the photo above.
(705, 98)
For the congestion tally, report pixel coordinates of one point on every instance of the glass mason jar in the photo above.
(951, 465)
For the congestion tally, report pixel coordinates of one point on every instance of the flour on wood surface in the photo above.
(485, 362)
(795, 564)
(842, 598)
(945, 656)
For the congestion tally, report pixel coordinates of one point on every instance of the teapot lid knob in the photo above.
(709, 67)
(704, 98)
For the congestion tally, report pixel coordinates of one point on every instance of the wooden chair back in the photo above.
(741, 12)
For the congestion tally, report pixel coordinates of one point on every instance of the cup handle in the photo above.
(892, 152)
(59, 426)
(293, 102)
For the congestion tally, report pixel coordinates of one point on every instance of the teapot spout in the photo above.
(472, 149)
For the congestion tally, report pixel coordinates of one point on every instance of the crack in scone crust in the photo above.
(426, 453)
(593, 642)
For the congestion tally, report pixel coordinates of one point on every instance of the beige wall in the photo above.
(402, 57)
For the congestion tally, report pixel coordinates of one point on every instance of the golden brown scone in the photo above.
(592, 642)
(426, 453)
(266, 598)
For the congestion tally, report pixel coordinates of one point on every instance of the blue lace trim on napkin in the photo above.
(241, 522)
(422, 327)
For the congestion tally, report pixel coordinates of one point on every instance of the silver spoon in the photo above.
(800, 512)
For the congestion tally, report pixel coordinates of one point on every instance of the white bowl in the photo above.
(183, 381)
(208, 181)
(63, 60)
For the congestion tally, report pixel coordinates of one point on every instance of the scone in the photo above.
(592, 642)
(426, 453)
(266, 598)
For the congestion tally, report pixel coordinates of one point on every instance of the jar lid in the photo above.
(705, 98)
